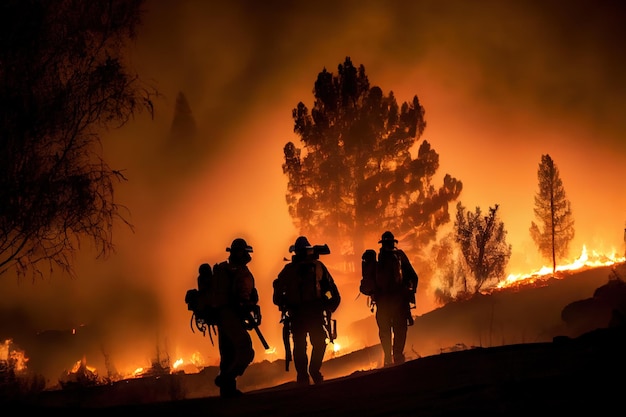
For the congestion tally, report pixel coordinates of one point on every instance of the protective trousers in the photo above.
(308, 323)
(391, 318)
(235, 346)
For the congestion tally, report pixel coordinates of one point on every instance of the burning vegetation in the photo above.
(81, 375)
(13, 361)
(539, 278)
(350, 358)
(16, 383)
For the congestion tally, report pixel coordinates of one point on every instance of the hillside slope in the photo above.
(542, 368)
(567, 375)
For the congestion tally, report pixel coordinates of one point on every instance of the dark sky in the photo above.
(502, 83)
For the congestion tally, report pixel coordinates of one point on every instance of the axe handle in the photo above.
(261, 338)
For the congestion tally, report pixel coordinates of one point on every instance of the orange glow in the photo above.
(497, 96)
(4, 350)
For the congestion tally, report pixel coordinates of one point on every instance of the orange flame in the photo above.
(584, 261)
(177, 363)
(14, 357)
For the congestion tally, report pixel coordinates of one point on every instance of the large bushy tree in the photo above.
(64, 79)
(554, 229)
(482, 240)
(355, 175)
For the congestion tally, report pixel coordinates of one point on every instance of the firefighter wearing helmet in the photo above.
(234, 341)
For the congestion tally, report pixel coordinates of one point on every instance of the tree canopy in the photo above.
(361, 170)
(554, 229)
(64, 79)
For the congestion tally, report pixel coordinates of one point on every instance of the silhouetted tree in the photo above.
(181, 153)
(63, 80)
(482, 240)
(355, 176)
(554, 229)
(183, 129)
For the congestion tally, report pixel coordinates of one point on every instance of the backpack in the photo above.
(368, 273)
(305, 283)
(197, 299)
(387, 274)
(391, 273)
(214, 291)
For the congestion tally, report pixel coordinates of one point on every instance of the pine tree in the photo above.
(554, 229)
(355, 176)
(183, 129)
(183, 152)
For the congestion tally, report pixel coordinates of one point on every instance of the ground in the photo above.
(564, 376)
(542, 365)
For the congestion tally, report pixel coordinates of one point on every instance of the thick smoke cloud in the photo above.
(502, 83)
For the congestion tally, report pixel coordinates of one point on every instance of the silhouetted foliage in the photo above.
(450, 270)
(355, 174)
(554, 229)
(63, 80)
(482, 241)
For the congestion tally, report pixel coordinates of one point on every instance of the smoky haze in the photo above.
(501, 83)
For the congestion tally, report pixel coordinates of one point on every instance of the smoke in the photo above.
(501, 83)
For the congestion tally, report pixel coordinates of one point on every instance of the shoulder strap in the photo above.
(319, 275)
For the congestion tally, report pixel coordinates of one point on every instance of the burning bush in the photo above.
(16, 383)
(80, 375)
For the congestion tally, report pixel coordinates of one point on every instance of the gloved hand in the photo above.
(251, 315)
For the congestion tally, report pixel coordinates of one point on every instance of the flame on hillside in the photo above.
(585, 260)
(12, 357)
(342, 346)
(82, 374)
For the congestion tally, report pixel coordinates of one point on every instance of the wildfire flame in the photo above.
(177, 363)
(82, 364)
(15, 358)
(584, 261)
(587, 259)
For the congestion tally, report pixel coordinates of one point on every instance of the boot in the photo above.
(228, 387)
(303, 379)
(318, 378)
(398, 359)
